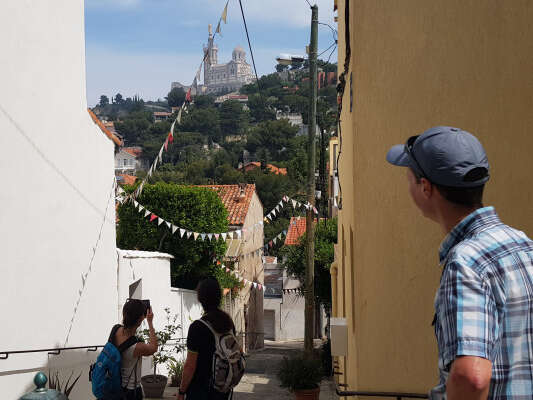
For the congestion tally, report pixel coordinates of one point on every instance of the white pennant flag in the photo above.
(147, 213)
(179, 115)
(195, 234)
(210, 236)
(239, 233)
(277, 208)
(189, 234)
(255, 285)
(168, 224)
(141, 208)
(294, 203)
(160, 221)
(161, 154)
(275, 240)
(203, 236)
(135, 203)
(172, 128)
(224, 235)
(174, 229)
(182, 232)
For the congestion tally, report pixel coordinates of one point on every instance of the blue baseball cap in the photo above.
(445, 156)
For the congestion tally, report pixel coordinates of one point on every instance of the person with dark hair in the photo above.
(197, 372)
(133, 314)
(483, 307)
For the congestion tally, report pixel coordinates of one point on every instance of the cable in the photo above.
(51, 163)
(309, 3)
(332, 51)
(332, 44)
(334, 32)
(250, 46)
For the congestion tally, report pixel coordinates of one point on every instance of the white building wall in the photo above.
(52, 198)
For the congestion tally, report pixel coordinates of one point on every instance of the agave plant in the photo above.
(55, 383)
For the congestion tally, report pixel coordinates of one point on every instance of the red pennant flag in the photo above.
(188, 95)
(166, 144)
(152, 217)
(218, 262)
(170, 137)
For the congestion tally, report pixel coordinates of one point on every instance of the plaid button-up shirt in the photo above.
(484, 305)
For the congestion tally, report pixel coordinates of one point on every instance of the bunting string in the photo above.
(184, 108)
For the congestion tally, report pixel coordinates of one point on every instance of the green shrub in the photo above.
(300, 373)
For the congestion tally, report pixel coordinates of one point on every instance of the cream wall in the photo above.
(53, 197)
(416, 64)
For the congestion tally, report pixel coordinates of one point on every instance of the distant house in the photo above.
(128, 160)
(161, 116)
(297, 228)
(255, 164)
(124, 179)
(293, 118)
(241, 98)
(245, 211)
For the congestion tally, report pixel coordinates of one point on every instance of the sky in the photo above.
(138, 47)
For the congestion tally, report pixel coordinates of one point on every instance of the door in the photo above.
(270, 324)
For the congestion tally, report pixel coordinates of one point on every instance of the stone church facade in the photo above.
(228, 77)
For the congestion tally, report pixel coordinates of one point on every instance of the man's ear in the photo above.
(427, 188)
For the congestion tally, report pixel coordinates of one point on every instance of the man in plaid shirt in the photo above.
(483, 307)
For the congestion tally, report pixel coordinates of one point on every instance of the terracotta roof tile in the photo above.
(236, 205)
(127, 179)
(297, 229)
(134, 151)
(255, 164)
(106, 131)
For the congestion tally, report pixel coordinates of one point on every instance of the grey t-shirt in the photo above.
(131, 377)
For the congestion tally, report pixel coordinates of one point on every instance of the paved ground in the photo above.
(260, 382)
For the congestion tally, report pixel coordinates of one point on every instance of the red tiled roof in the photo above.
(106, 131)
(230, 195)
(128, 179)
(162, 114)
(134, 151)
(297, 229)
(275, 170)
(269, 259)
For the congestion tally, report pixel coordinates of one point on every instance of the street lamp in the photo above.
(286, 59)
(289, 59)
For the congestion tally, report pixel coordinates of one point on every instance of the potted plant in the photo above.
(154, 384)
(302, 376)
(175, 370)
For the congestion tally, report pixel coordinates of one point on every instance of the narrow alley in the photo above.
(260, 381)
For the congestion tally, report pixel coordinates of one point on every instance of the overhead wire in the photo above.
(250, 47)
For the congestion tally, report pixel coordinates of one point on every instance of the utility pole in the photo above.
(310, 228)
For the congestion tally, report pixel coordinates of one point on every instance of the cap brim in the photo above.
(398, 156)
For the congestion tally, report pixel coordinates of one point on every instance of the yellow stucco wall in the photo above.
(416, 64)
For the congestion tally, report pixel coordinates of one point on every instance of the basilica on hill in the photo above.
(227, 77)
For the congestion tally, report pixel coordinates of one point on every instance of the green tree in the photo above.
(295, 257)
(192, 208)
(233, 119)
(119, 99)
(175, 97)
(270, 187)
(204, 101)
(203, 120)
(274, 136)
(104, 100)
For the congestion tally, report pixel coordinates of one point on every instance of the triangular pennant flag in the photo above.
(225, 13)
(182, 232)
(269, 217)
(217, 235)
(224, 235)
(265, 219)
(141, 208)
(218, 28)
(203, 236)
(227, 269)
(255, 285)
(275, 240)
(168, 224)
(174, 229)
(277, 208)
(161, 154)
(160, 221)
(195, 234)
(210, 236)
(179, 116)
(188, 95)
(189, 234)
(146, 213)
(239, 233)
(284, 233)
(135, 203)
(165, 145)
(152, 217)
(294, 203)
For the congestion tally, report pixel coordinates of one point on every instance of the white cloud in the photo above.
(148, 75)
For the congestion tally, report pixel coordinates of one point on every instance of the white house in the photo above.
(58, 254)
(127, 160)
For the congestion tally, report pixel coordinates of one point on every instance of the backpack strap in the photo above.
(210, 327)
(127, 344)
(113, 333)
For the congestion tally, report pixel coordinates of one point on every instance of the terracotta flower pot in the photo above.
(308, 394)
(154, 385)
